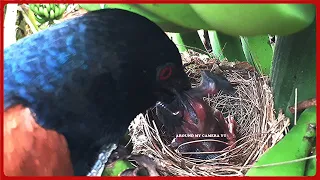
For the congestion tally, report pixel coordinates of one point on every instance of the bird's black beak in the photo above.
(177, 84)
(181, 82)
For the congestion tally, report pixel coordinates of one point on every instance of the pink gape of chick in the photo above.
(189, 114)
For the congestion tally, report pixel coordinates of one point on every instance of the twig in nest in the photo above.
(304, 105)
(225, 65)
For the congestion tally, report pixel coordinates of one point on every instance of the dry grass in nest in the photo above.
(251, 106)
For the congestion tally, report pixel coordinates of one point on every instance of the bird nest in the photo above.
(251, 105)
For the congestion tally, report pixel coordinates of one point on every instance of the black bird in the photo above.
(77, 85)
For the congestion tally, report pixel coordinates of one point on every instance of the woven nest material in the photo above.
(251, 105)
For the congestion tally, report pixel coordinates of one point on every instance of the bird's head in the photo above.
(170, 79)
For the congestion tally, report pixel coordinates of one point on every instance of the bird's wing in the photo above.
(30, 150)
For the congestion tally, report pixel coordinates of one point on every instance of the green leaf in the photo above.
(294, 66)
(231, 19)
(180, 14)
(163, 23)
(254, 19)
(258, 52)
(226, 46)
(117, 168)
(187, 40)
(237, 19)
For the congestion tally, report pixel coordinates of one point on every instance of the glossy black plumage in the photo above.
(88, 77)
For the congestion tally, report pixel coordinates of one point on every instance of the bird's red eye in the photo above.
(165, 73)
